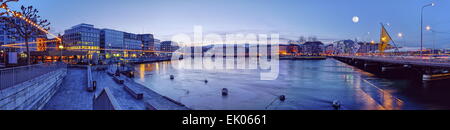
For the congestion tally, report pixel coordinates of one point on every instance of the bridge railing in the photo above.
(421, 59)
(12, 76)
(409, 59)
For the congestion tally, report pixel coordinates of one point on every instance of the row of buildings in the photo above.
(311, 48)
(113, 44)
(84, 42)
(353, 47)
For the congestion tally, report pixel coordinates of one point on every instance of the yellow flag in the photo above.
(384, 40)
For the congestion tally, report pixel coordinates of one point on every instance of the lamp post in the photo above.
(61, 47)
(434, 40)
(400, 36)
(421, 27)
(3, 55)
(428, 28)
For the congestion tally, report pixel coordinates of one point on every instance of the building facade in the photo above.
(83, 37)
(312, 48)
(13, 44)
(8, 38)
(168, 47)
(111, 43)
(108, 43)
(148, 44)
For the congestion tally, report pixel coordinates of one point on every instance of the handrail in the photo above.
(13, 76)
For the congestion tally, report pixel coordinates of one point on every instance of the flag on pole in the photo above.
(384, 39)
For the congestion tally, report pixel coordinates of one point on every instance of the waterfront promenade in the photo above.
(71, 95)
(74, 96)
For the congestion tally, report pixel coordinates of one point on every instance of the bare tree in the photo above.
(26, 24)
(302, 39)
(4, 4)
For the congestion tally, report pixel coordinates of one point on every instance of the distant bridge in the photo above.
(411, 67)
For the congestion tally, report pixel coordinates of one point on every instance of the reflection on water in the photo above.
(308, 85)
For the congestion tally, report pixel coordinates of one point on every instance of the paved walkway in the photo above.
(155, 99)
(125, 100)
(150, 96)
(73, 95)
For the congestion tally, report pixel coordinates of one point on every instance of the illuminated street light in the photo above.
(428, 28)
(434, 38)
(421, 27)
(400, 35)
(61, 47)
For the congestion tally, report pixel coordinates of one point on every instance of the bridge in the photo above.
(397, 66)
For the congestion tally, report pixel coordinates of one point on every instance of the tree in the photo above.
(301, 39)
(27, 24)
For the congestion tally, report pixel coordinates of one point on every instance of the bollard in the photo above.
(282, 98)
(224, 92)
(94, 85)
(336, 104)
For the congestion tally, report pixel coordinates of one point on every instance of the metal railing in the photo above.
(12, 76)
(415, 59)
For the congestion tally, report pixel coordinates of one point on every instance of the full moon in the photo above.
(355, 19)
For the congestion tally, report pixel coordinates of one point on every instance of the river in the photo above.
(307, 85)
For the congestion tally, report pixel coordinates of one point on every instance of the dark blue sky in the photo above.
(326, 19)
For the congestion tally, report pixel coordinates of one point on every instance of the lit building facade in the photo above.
(148, 44)
(133, 45)
(312, 48)
(83, 37)
(168, 47)
(7, 38)
(111, 43)
(108, 43)
(17, 43)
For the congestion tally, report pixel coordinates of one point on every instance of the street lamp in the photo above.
(428, 28)
(3, 56)
(434, 40)
(400, 35)
(421, 27)
(61, 47)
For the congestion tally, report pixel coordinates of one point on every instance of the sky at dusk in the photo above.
(326, 19)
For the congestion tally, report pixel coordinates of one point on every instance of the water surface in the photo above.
(307, 85)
